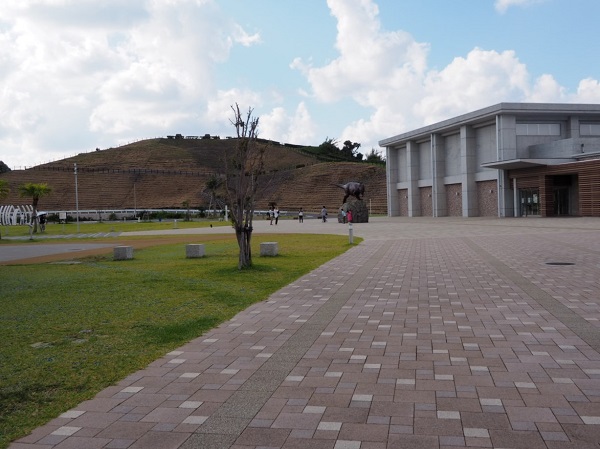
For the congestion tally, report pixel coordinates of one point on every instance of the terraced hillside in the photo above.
(164, 173)
(314, 186)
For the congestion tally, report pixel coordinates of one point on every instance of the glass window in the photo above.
(538, 129)
(589, 129)
(529, 202)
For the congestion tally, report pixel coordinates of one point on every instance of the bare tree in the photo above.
(186, 205)
(243, 166)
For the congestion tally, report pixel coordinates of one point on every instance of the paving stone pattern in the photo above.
(466, 338)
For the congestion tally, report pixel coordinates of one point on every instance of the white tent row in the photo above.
(15, 215)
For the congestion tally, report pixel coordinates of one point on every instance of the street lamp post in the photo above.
(76, 197)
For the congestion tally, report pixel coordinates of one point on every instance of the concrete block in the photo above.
(269, 249)
(123, 252)
(194, 250)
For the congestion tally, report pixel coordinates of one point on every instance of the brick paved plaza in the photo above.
(431, 333)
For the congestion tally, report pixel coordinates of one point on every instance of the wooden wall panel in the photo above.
(588, 175)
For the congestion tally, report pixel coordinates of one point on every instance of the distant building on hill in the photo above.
(506, 160)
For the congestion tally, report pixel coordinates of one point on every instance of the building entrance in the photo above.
(529, 202)
(564, 192)
(561, 201)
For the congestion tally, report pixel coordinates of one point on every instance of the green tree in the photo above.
(212, 184)
(350, 150)
(35, 192)
(329, 146)
(4, 168)
(244, 164)
(375, 157)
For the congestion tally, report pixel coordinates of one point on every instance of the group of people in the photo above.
(346, 216)
(273, 215)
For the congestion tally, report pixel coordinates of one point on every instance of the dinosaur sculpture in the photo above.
(355, 189)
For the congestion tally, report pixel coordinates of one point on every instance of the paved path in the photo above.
(441, 333)
(39, 237)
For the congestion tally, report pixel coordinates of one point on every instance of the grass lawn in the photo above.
(68, 330)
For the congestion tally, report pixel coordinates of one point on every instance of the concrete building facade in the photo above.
(506, 160)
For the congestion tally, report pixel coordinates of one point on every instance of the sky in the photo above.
(76, 75)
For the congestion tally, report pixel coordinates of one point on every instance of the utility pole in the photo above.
(76, 197)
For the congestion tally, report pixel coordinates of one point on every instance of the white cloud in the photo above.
(72, 69)
(481, 79)
(111, 14)
(503, 5)
(167, 72)
(368, 57)
(219, 114)
(588, 91)
(546, 90)
(242, 37)
(80, 74)
(380, 70)
(298, 128)
(387, 73)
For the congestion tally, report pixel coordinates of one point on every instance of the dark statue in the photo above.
(355, 189)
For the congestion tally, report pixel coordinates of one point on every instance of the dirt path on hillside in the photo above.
(137, 243)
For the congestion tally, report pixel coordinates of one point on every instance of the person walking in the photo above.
(276, 215)
(324, 214)
(42, 220)
(271, 215)
(300, 216)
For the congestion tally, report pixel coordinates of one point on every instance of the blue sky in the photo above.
(76, 75)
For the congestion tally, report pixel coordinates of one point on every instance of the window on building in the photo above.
(538, 129)
(589, 129)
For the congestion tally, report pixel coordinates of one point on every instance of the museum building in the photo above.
(506, 160)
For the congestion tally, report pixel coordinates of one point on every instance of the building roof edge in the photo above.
(489, 112)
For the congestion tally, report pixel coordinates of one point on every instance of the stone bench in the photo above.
(269, 249)
(194, 250)
(123, 252)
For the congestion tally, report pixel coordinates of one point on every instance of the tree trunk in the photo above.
(244, 235)
(34, 217)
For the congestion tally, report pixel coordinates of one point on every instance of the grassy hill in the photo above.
(164, 173)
